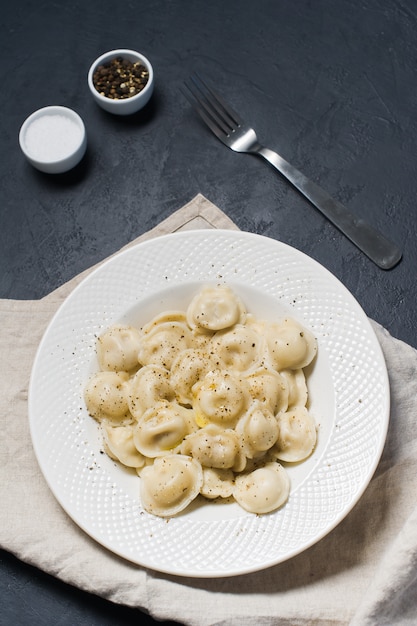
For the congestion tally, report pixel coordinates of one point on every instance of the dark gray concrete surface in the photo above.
(330, 84)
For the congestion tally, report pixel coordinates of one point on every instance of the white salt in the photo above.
(52, 137)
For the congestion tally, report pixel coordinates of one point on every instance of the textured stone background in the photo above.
(330, 84)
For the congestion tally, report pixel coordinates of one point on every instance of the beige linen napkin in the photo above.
(363, 573)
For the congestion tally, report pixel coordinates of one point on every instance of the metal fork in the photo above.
(227, 125)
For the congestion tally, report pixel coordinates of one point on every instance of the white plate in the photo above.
(348, 389)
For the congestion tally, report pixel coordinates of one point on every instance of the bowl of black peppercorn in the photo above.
(121, 81)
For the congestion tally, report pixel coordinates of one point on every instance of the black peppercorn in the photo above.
(120, 78)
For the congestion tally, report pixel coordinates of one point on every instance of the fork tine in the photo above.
(216, 100)
(215, 112)
(195, 103)
(207, 112)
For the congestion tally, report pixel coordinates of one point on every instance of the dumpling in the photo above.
(206, 401)
(290, 345)
(117, 348)
(215, 447)
(220, 398)
(105, 396)
(215, 308)
(217, 483)
(269, 387)
(239, 348)
(263, 490)
(119, 445)
(163, 343)
(148, 461)
(297, 435)
(162, 428)
(170, 484)
(163, 318)
(258, 430)
(297, 387)
(187, 369)
(258, 325)
(148, 386)
(200, 338)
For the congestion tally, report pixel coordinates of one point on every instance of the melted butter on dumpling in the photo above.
(162, 428)
(290, 345)
(117, 348)
(170, 484)
(220, 398)
(297, 435)
(263, 490)
(215, 308)
(105, 396)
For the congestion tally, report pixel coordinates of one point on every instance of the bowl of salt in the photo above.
(53, 139)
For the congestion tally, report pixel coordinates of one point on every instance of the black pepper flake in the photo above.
(120, 78)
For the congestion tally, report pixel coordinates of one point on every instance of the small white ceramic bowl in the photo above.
(124, 106)
(53, 139)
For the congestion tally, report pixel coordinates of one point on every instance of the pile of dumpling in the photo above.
(206, 401)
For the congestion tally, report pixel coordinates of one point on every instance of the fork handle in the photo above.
(372, 243)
